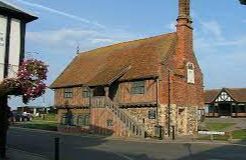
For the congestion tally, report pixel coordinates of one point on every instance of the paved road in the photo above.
(88, 148)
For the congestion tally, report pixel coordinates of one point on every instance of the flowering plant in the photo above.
(29, 81)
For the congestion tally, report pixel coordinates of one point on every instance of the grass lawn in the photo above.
(218, 126)
(38, 124)
(239, 134)
(216, 137)
(48, 117)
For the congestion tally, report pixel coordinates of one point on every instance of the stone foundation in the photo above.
(141, 115)
(184, 119)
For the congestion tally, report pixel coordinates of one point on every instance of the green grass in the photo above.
(38, 124)
(239, 134)
(48, 117)
(213, 126)
(216, 137)
(218, 126)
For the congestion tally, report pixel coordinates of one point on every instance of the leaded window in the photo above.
(68, 93)
(109, 122)
(84, 120)
(152, 114)
(85, 93)
(64, 120)
(138, 87)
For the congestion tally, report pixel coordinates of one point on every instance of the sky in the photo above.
(219, 33)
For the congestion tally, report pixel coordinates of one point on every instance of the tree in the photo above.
(29, 83)
(243, 2)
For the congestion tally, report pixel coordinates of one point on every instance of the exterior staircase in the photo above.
(133, 128)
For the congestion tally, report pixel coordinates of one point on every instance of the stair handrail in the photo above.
(114, 108)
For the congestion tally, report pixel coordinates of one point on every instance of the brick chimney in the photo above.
(184, 33)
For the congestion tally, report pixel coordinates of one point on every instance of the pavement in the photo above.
(15, 154)
(105, 148)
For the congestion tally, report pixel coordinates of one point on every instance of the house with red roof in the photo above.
(134, 88)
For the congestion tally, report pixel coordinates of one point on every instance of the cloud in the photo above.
(212, 27)
(102, 40)
(68, 38)
(171, 26)
(210, 36)
(62, 13)
(222, 57)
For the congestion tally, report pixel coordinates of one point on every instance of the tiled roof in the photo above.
(238, 94)
(124, 61)
(210, 95)
(7, 7)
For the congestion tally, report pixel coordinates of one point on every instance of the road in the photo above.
(91, 148)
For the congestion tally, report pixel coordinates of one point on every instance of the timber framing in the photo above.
(137, 105)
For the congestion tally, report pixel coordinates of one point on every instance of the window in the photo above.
(190, 73)
(68, 93)
(73, 121)
(241, 109)
(86, 93)
(152, 114)
(138, 87)
(109, 122)
(211, 109)
(64, 120)
(84, 120)
(99, 91)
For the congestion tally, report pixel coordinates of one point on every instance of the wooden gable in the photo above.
(224, 96)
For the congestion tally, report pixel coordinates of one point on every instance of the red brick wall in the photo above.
(182, 93)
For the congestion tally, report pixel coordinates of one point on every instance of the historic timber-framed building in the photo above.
(225, 102)
(128, 89)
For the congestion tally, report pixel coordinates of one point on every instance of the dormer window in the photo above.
(190, 73)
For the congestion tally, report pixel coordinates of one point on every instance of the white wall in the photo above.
(3, 29)
(14, 48)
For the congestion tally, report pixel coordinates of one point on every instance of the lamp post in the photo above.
(169, 102)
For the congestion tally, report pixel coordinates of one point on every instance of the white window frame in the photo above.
(190, 73)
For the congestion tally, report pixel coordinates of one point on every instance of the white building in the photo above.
(12, 38)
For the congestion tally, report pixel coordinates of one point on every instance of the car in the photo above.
(19, 117)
